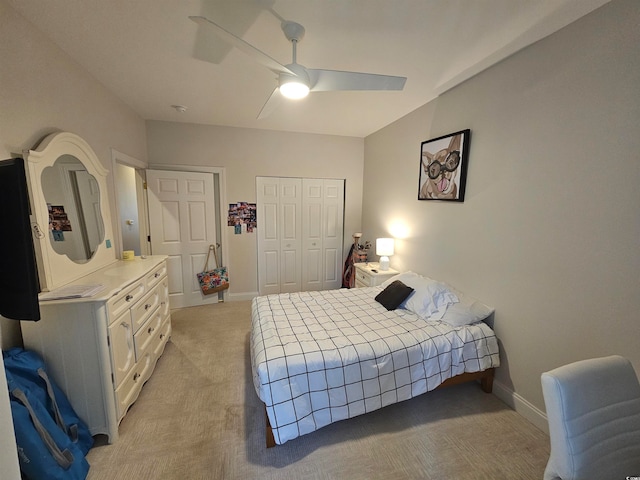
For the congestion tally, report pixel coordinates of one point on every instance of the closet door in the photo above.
(290, 235)
(322, 233)
(299, 234)
(312, 220)
(268, 197)
(332, 233)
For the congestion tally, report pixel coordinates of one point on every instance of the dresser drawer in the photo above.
(128, 392)
(122, 347)
(155, 276)
(163, 290)
(363, 278)
(144, 308)
(126, 298)
(370, 275)
(162, 337)
(145, 337)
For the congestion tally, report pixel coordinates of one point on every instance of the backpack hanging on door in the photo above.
(216, 279)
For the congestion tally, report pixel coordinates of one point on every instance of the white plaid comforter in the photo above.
(320, 357)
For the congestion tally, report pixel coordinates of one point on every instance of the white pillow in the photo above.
(469, 310)
(403, 277)
(429, 299)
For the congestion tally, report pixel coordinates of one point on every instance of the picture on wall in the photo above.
(242, 216)
(443, 167)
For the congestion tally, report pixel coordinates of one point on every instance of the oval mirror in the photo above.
(76, 227)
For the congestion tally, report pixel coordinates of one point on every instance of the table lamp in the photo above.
(384, 248)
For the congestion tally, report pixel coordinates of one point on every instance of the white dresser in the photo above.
(369, 274)
(102, 349)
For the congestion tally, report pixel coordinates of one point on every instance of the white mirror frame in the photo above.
(54, 269)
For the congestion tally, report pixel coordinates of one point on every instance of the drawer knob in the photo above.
(128, 298)
(156, 275)
(162, 335)
(136, 376)
(150, 330)
(147, 306)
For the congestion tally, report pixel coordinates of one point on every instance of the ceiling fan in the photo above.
(295, 80)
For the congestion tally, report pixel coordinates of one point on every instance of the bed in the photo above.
(324, 356)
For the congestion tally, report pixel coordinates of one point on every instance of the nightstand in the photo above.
(369, 274)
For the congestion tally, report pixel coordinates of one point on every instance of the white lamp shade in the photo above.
(384, 248)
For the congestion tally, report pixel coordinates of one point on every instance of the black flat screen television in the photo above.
(19, 284)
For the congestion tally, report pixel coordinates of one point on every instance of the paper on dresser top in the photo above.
(71, 291)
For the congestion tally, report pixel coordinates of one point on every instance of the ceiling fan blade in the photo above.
(243, 46)
(237, 17)
(332, 80)
(271, 104)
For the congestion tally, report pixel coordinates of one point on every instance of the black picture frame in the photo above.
(443, 167)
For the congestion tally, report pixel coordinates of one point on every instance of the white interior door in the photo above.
(322, 233)
(332, 233)
(268, 195)
(290, 237)
(182, 226)
(300, 234)
(89, 199)
(312, 213)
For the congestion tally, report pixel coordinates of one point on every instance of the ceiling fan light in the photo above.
(294, 89)
(296, 85)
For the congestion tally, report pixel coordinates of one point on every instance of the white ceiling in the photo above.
(150, 54)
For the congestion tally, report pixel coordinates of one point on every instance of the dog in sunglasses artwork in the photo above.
(443, 177)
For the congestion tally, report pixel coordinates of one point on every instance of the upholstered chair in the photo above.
(593, 409)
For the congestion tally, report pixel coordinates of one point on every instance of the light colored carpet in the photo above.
(198, 417)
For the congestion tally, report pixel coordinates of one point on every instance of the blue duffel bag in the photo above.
(44, 450)
(29, 373)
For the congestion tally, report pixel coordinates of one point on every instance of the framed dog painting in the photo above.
(443, 167)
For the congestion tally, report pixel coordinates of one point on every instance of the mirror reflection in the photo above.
(76, 227)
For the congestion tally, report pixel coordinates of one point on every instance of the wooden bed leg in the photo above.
(486, 383)
(271, 440)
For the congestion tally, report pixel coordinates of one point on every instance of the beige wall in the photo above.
(43, 91)
(246, 154)
(549, 232)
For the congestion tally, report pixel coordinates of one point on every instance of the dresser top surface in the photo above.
(114, 277)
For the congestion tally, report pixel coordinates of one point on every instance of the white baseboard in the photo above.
(522, 406)
(239, 297)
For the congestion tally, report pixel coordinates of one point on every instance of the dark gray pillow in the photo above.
(392, 296)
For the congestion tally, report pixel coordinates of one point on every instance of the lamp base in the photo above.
(384, 263)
